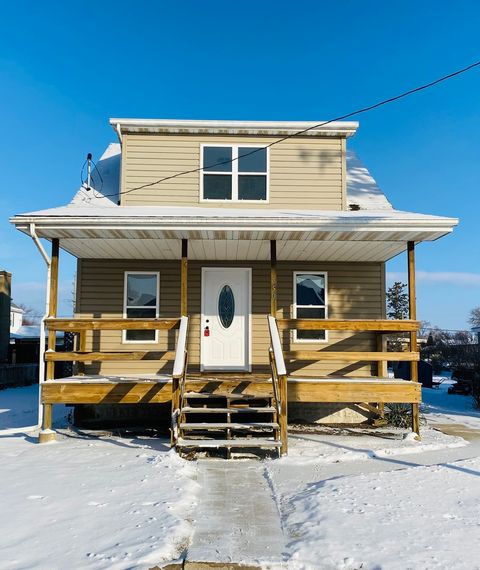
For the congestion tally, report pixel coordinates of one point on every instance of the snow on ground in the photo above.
(89, 502)
(357, 444)
(441, 407)
(421, 518)
(347, 502)
(19, 408)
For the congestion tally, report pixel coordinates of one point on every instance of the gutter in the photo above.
(150, 223)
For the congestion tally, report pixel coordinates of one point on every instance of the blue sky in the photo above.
(66, 67)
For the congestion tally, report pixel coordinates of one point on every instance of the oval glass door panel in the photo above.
(226, 306)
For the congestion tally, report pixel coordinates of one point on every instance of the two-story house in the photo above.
(190, 235)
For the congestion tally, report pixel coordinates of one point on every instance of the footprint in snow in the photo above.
(95, 504)
(36, 497)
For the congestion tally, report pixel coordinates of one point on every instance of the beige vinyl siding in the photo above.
(305, 173)
(355, 290)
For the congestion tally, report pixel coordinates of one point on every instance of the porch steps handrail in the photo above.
(179, 377)
(181, 348)
(279, 381)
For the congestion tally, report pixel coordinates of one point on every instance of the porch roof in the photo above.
(138, 232)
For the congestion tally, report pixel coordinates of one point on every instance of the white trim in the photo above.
(248, 328)
(261, 128)
(294, 307)
(157, 306)
(234, 173)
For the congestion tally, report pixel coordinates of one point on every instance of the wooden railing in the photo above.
(378, 326)
(82, 326)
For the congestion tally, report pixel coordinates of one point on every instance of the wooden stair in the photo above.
(205, 423)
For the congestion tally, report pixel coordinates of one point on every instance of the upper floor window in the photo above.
(234, 172)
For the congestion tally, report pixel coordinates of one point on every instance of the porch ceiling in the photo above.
(226, 234)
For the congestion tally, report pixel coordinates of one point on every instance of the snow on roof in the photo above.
(15, 308)
(105, 180)
(363, 192)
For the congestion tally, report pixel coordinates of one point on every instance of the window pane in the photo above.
(310, 290)
(140, 335)
(217, 187)
(226, 306)
(213, 156)
(310, 314)
(141, 290)
(252, 187)
(140, 314)
(255, 159)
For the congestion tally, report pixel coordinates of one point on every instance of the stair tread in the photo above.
(189, 409)
(233, 425)
(223, 396)
(244, 442)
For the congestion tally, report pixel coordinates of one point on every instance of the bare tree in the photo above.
(474, 319)
(30, 315)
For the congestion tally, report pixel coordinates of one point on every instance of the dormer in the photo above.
(233, 163)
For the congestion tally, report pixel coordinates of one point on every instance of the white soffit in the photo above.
(232, 250)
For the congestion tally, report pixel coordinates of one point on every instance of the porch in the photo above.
(276, 389)
(351, 368)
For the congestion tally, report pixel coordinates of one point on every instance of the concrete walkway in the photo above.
(237, 519)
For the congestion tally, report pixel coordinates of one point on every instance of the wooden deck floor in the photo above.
(156, 389)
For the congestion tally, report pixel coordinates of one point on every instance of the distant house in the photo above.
(477, 331)
(258, 250)
(16, 318)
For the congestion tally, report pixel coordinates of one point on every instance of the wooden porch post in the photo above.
(412, 305)
(273, 278)
(46, 434)
(184, 279)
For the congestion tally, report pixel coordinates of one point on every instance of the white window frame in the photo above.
(125, 306)
(235, 173)
(294, 306)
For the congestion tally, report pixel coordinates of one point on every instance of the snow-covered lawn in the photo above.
(418, 518)
(19, 408)
(381, 501)
(84, 502)
(440, 407)
(348, 499)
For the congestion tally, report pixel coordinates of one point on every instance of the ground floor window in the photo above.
(309, 302)
(141, 301)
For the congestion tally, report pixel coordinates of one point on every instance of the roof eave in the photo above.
(367, 224)
(257, 128)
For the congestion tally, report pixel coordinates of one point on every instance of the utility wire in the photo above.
(303, 131)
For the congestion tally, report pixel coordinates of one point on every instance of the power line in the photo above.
(303, 131)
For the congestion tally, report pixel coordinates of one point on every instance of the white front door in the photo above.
(225, 321)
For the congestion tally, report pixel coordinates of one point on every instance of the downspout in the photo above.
(119, 132)
(41, 364)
